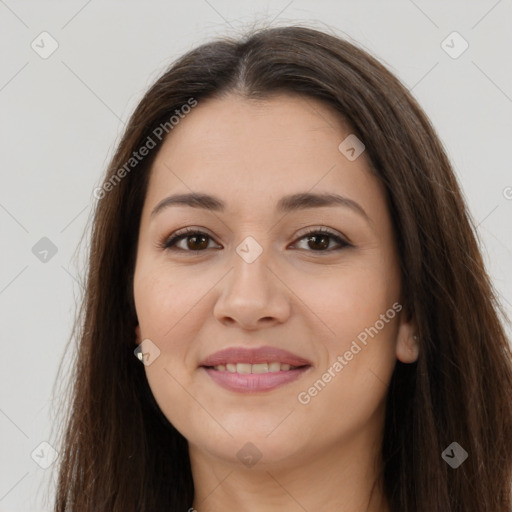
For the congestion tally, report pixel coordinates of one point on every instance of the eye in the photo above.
(197, 241)
(319, 237)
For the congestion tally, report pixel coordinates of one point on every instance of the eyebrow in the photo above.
(293, 202)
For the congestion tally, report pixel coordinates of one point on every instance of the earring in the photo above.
(415, 337)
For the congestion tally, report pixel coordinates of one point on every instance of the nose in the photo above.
(253, 295)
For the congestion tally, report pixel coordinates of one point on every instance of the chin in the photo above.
(254, 449)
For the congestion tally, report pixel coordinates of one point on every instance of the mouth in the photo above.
(254, 370)
(247, 368)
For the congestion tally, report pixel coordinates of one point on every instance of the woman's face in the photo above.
(254, 279)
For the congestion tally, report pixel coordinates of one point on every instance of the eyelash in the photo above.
(169, 242)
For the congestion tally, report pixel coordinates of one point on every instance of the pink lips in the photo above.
(254, 382)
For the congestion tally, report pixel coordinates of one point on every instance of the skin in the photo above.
(296, 295)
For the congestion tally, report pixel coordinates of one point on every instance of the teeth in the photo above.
(245, 368)
(259, 368)
(274, 367)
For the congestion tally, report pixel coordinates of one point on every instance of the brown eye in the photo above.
(319, 240)
(195, 241)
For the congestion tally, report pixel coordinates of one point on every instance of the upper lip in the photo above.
(265, 354)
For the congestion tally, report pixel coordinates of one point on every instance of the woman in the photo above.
(282, 243)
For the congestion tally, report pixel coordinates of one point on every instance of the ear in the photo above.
(407, 342)
(138, 338)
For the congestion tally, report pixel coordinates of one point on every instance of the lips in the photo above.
(254, 370)
(236, 355)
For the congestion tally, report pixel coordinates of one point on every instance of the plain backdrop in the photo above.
(62, 116)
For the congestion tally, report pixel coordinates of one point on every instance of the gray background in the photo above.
(61, 117)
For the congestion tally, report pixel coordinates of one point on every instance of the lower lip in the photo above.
(254, 382)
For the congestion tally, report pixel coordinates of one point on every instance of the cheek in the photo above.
(348, 300)
(167, 314)
(169, 308)
(163, 307)
(348, 390)
(162, 298)
(360, 308)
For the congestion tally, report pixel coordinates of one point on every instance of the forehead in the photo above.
(251, 152)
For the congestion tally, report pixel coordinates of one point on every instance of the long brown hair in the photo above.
(119, 453)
